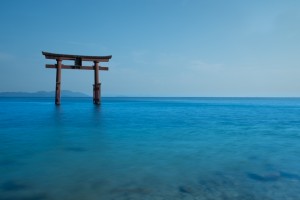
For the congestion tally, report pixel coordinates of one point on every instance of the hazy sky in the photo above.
(159, 47)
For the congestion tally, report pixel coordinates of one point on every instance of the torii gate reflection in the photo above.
(78, 65)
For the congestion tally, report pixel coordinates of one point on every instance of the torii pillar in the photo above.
(97, 84)
(78, 65)
(58, 81)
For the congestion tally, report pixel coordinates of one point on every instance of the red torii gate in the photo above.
(78, 65)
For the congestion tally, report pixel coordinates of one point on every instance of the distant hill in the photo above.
(64, 93)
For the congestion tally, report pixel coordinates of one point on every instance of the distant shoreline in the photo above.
(64, 93)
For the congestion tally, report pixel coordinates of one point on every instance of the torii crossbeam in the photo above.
(77, 65)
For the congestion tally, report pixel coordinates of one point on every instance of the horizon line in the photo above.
(157, 97)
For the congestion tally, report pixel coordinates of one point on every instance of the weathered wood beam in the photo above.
(97, 84)
(74, 57)
(58, 82)
(83, 59)
(77, 67)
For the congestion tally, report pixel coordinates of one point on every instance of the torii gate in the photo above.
(78, 65)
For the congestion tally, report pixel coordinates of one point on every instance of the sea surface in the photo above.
(150, 148)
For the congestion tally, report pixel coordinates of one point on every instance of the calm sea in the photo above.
(150, 148)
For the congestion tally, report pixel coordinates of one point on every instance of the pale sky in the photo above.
(158, 47)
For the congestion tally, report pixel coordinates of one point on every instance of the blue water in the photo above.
(150, 148)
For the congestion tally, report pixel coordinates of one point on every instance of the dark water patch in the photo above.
(8, 162)
(264, 178)
(185, 189)
(42, 196)
(14, 186)
(75, 149)
(273, 176)
(289, 175)
(131, 191)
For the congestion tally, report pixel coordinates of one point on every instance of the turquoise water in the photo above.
(150, 148)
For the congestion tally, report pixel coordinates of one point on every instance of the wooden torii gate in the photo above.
(78, 65)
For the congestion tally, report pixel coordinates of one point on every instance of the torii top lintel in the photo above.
(75, 57)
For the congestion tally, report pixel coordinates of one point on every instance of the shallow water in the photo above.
(150, 148)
